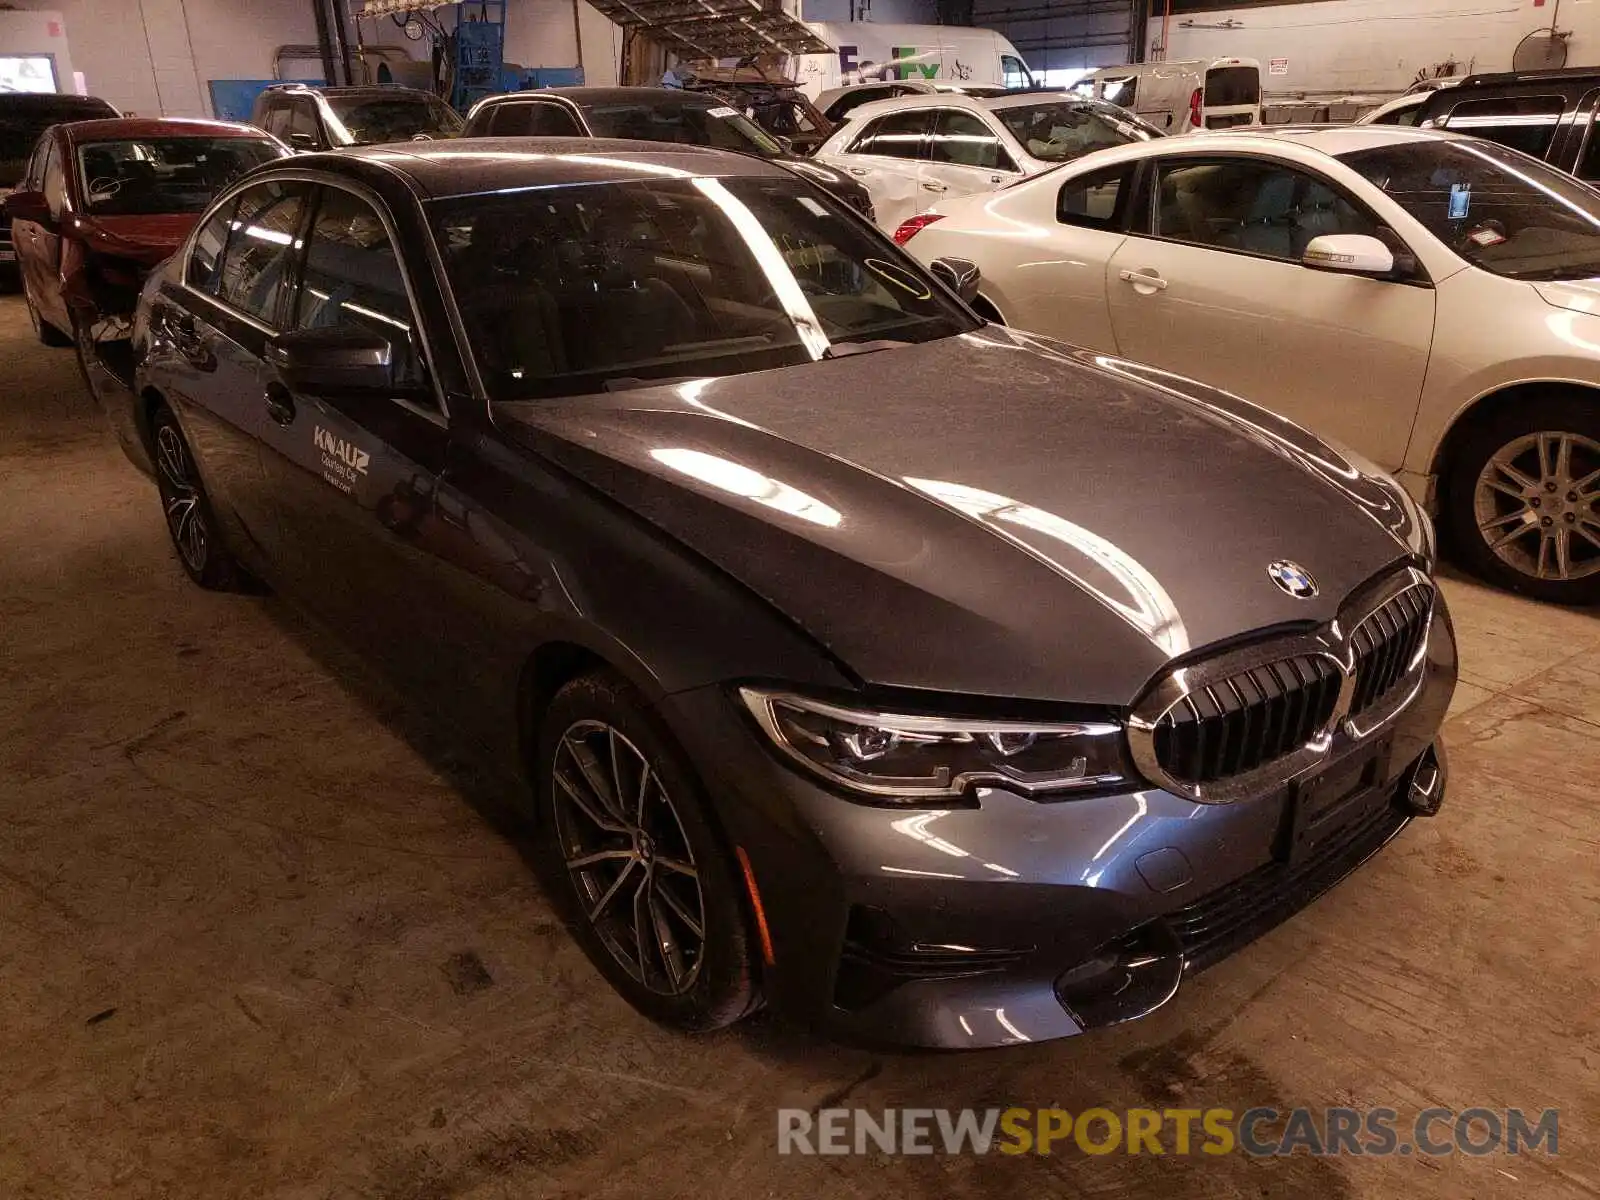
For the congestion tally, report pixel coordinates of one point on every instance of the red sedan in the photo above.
(101, 202)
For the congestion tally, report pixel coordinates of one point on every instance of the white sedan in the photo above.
(1432, 301)
(912, 151)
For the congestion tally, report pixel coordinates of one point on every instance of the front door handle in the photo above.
(1145, 278)
(191, 344)
(934, 187)
(860, 170)
(280, 404)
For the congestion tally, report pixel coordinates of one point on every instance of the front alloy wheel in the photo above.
(633, 867)
(630, 851)
(1536, 505)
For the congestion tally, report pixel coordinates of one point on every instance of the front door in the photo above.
(964, 156)
(1214, 289)
(355, 472)
(41, 262)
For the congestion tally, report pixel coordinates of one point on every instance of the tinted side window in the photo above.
(352, 279)
(894, 135)
(1588, 168)
(1525, 123)
(1252, 205)
(963, 138)
(257, 263)
(209, 244)
(275, 120)
(1097, 200)
(55, 180)
(302, 120)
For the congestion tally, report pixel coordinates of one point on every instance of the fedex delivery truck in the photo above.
(865, 52)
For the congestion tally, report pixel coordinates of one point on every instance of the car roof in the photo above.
(661, 97)
(1014, 99)
(121, 128)
(469, 166)
(361, 89)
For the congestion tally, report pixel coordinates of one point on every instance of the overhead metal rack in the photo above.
(714, 28)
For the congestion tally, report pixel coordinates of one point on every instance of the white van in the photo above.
(1200, 93)
(866, 52)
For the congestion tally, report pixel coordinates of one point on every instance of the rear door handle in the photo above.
(934, 187)
(280, 404)
(1145, 278)
(860, 170)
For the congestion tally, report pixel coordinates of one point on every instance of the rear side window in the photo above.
(255, 268)
(962, 138)
(1526, 123)
(540, 119)
(1228, 86)
(1097, 200)
(209, 244)
(894, 135)
(854, 100)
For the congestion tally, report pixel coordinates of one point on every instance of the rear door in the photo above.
(887, 157)
(965, 155)
(211, 332)
(1231, 94)
(354, 473)
(1213, 288)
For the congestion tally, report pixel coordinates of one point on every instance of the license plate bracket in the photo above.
(1332, 799)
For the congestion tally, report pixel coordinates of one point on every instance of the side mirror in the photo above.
(319, 361)
(302, 141)
(786, 142)
(960, 275)
(1349, 254)
(28, 206)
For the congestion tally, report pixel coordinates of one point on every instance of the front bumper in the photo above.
(1018, 920)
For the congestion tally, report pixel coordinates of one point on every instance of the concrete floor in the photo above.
(261, 936)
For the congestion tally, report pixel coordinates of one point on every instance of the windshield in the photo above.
(697, 125)
(404, 117)
(1059, 131)
(573, 289)
(164, 175)
(23, 120)
(1496, 208)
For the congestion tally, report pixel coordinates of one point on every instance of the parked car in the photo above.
(1180, 97)
(776, 104)
(1407, 109)
(837, 103)
(307, 118)
(1548, 114)
(940, 684)
(1427, 299)
(23, 117)
(913, 151)
(99, 204)
(652, 115)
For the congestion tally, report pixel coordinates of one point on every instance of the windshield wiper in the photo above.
(845, 349)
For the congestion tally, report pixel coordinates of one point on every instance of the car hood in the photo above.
(990, 514)
(148, 239)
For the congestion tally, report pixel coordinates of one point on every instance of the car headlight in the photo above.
(897, 757)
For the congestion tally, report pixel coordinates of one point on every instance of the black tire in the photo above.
(711, 986)
(1532, 503)
(47, 333)
(190, 522)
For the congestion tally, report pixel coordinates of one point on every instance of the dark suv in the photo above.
(1548, 114)
(650, 114)
(23, 117)
(328, 118)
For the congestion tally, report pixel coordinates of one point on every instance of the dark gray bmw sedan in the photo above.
(932, 682)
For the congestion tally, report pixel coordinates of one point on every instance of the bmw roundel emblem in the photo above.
(1293, 578)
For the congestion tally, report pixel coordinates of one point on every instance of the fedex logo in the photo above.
(908, 64)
